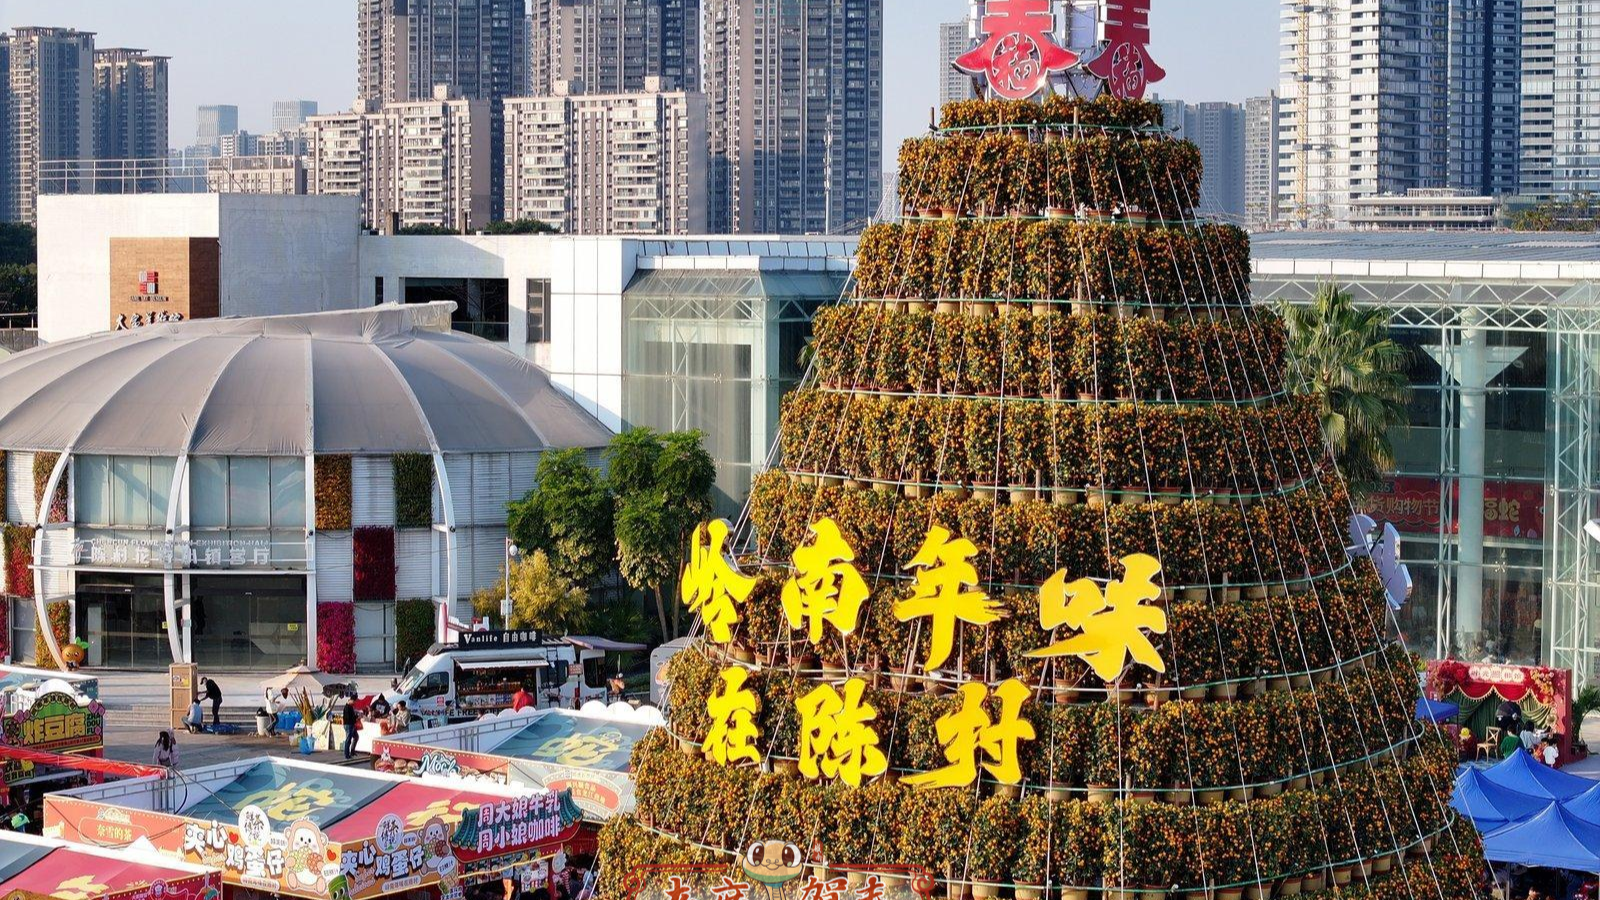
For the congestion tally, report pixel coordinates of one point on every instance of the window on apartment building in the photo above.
(482, 304)
(538, 310)
(377, 291)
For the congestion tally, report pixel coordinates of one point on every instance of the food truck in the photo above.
(482, 670)
(300, 829)
(32, 867)
(584, 751)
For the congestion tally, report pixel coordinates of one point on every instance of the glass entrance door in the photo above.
(249, 622)
(123, 617)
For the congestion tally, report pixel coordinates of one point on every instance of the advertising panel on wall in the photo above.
(1511, 509)
(321, 832)
(584, 751)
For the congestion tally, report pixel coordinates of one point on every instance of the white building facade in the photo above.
(419, 163)
(608, 164)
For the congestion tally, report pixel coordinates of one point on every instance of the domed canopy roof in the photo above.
(390, 379)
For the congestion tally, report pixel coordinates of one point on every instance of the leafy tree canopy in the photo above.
(522, 226)
(540, 597)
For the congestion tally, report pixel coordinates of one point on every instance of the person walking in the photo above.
(166, 754)
(214, 694)
(352, 722)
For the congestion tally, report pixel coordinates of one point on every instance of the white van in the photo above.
(483, 670)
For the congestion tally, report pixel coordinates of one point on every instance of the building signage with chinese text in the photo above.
(160, 553)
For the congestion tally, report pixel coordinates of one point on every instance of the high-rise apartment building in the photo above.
(476, 49)
(1575, 139)
(1261, 161)
(211, 123)
(609, 163)
(1364, 107)
(1535, 176)
(613, 46)
(954, 40)
(130, 104)
(287, 115)
(1218, 129)
(50, 81)
(795, 92)
(1485, 95)
(419, 163)
(406, 48)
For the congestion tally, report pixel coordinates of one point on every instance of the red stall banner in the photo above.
(1511, 509)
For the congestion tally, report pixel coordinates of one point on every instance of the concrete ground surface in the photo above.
(136, 711)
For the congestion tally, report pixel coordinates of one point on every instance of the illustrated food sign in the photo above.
(1108, 628)
(1018, 52)
(55, 723)
(408, 850)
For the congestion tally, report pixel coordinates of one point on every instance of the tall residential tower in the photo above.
(954, 84)
(1364, 108)
(50, 80)
(130, 105)
(1261, 162)
(1485, 91)
(795, 93)
(612, 46)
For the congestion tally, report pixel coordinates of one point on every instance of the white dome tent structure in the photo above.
(174, 474)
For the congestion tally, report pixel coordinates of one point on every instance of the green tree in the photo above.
(663, 488)
(424, 231)
(19, 269)
(540, 597)
(1346, 358)
(568, 516)
(522, 226)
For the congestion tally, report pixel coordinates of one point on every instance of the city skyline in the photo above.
(241, 60)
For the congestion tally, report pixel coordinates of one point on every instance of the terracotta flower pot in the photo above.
(1101, 793)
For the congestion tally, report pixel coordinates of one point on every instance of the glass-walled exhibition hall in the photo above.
(222, 491)
(1497, 471)
(716, 350)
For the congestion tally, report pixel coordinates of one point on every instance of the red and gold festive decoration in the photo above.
(1049, 594)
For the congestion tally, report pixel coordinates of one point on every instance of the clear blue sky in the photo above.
(249, 54)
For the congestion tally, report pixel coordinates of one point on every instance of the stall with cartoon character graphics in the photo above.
(33, 868)
(299, 829)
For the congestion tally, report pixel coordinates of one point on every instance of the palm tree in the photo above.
(1345, 357)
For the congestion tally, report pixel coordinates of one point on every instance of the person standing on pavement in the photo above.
(352, 722)
(166, 754)
(214, 694)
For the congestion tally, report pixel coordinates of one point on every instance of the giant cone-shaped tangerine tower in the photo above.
(1052, 360)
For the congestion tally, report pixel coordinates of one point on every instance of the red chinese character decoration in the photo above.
(1125, 64)
(1018, 53)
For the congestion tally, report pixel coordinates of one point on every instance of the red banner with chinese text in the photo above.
(1511, 509)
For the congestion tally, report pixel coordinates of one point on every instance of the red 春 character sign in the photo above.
(1018, 52)
(1125, 64)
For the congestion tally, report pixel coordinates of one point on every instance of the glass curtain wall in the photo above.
(716, 351)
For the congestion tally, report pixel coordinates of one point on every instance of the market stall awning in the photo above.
(1491, 806)
(1554, 838)
(1522, 773)
(585, 751)
(333, 831)
(322, 797)
(40, 867)
(1586, 805)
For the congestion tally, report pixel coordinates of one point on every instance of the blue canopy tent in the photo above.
(1586, 805)
(1554, 839)
(1436, 710)
(1491, 806)
(1522, 773)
